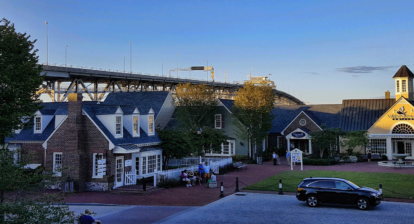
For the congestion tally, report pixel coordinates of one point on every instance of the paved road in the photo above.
(254, 208)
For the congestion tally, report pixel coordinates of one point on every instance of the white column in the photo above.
(288, 144)
(389, 148)
(310, 146)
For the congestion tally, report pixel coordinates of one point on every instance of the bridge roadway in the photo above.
(97, 82)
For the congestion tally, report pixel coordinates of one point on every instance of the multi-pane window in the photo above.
(150, 124)
(378, 145)
(231, 146)
(280, 142)
(408, 149)
(158, 162)
(144, 165)
(404, 86)
(119, 170)
(135, 125)
(398, 86)
(217, 121)
(38, 123)
(118, 125)
(137, 165)
(57, 163)
(97, 157)
(152, 162)
(226, 148)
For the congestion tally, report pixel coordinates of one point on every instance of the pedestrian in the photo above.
(87, 218)
(206, 168)
(201, 171)
(288, 157)
(369, 156)
(274, 158)
(184, 178)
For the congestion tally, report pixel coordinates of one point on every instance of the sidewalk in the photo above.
(199, 195)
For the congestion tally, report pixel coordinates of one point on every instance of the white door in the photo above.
(119, 176)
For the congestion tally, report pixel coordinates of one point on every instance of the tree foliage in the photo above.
(19, 78)
(326, 140)
(354, 139)
(252, 110)
(23, 199)
(196, 105)
(174, 144)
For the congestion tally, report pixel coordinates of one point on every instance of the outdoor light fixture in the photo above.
(199, 131)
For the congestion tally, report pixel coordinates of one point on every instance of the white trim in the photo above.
(120, 135)
(133, 126)
(386, 112)
(153, 123)
(111, 145)
(94, 167)
(221, 104)
(119, 184)
(58, 174)
(400, 122)
(35, 125)
(215, 121)
(305, 124)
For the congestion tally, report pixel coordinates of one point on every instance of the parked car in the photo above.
(336, 191)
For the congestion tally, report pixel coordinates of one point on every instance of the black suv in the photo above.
(337, 191)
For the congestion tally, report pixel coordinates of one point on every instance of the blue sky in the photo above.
(319, 51)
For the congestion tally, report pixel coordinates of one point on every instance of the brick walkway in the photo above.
(199, 195)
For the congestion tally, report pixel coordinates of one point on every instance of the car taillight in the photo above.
(300, 189)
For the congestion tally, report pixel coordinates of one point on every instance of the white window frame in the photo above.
(217, 117)
(398, 86)
(403, 86)
(38, 125)
(121, 127)
(95, 165)
(151, 124)
(59, 174)
(133, 126)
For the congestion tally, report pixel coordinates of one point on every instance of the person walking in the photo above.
(87, 218)
(274, 158)
(288, 157)
(201, 171)
(206, 168)
(369, 156)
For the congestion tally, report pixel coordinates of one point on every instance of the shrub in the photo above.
(239, 157)
(169, 182)
(384, 157)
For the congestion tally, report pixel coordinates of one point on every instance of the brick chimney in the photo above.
(387, 95)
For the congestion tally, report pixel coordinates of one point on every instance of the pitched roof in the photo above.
(143, 100)
(28, 134)
(328, 114)
(227, 103)
(403, 72)
(99, 109)
(362, 114)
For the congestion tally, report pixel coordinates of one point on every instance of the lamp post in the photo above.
(66, 55)
(130, 57)
(47, 43)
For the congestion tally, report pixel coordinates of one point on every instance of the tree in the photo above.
(22, 197)
(354, 139)
(174, 144)
(326, 139)
(196, 108)
(252, 110)
(19, 79)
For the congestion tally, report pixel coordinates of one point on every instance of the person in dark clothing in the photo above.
(87, 218)
(201, 170)
(369, 156)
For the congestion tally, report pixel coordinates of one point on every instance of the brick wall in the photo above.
(34, 152)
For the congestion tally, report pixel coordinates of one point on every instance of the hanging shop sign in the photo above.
(101, 167)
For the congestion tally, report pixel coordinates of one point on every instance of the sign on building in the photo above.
(128, 162)
(102, 167)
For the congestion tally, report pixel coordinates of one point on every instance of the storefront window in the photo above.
(378, 146)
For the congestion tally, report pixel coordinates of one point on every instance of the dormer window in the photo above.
(217, 121)
(135, 125)
(118, 125)
(38, 125)
(404, 86)
(150, 125)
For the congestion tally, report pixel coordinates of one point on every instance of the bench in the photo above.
(373, 157)
(239, 165)
(353, 159)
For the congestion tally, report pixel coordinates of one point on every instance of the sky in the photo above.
(318, 51)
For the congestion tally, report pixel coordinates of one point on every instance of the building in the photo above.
(98, 142)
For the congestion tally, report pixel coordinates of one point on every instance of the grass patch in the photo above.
(394, 185)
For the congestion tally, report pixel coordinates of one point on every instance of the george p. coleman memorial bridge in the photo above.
(60, 81)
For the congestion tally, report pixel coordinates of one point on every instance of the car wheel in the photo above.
(312, 201)
(362, 203)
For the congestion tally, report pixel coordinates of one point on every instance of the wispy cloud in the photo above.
(312, 73)
(363, 69)
(355, 76)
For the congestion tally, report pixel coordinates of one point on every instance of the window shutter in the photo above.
(222, 121)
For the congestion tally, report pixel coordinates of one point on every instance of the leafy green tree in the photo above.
(175, 144)
(252, 110)
(19, 79)
(354, 139)
(23, 199)
(326, 140)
